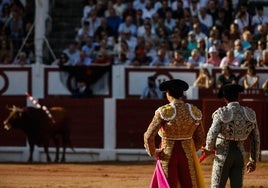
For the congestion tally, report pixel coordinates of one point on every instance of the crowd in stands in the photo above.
(15, 22)
(171, 33)
(189, 33)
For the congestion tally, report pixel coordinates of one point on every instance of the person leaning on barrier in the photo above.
(231, 126)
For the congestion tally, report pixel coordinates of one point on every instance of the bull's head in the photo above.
(15, 112)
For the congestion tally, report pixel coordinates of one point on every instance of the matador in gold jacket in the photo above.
(180, 128)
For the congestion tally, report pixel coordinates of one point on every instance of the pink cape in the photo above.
(159, 179)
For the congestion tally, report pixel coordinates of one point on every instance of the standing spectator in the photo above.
(226, 77)
(151, 91)
(82, 89)
(180, 128)
(204, 79)
(251, 79)
(232, 125)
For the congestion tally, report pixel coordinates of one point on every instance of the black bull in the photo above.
(40, 129)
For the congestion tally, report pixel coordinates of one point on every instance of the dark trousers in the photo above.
(233, 167)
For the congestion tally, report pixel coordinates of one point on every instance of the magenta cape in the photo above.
(159, 179)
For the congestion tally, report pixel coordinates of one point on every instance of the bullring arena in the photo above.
(101, 175)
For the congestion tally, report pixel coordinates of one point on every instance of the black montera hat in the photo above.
(230, 89)
(174, 85)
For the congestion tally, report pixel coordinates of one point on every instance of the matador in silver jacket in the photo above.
(231, 126)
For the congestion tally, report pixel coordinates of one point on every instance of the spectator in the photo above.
(260, 33)
(198, 32)
(265, 87)
(230, 60)
(103, 28)
(257, 54)
(122, 52)
(191, 41)
(141, 58)
(226, 77)
(247, 40)
(194, 8)
(234, 31)
(89, 47)
(130, 39)
(88, 6)
(151, 91)
(239, 51)
(204, 79)
(82, 60)
(102, 58)
(241, 21)
(114, 21)
(185, 52)
(195, 60)
(226, 42)
(63, 60)
(148, 11)
(83, 33)
(264, 59)
(163, 9)
(72, 52)
(169, 21)
(177, 59)
(119, 7)
(251, 80)
(150, 49)
(205, 18)
(93, 19)
(128, 25)
(161, 59)
(258, 19)
(214, 58)
(249, 59)
(82, 89)
(202, 47)
(22, 59)
(6, 49)
(129, 10)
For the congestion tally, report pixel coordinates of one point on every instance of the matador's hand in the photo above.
(251, 167)
(157, 153)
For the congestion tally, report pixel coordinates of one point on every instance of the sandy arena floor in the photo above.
(100, 175)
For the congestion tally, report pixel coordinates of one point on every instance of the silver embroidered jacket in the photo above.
(234, 122)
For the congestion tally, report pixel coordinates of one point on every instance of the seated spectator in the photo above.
(151, 91)
(83, 33)
(264, 59)
(161, 59)
(204, 79)
(82, 60)
(239, 51)
(214, 58)
(177, 59)
(113, 20)
(226, 77)
(195, 59)
(259, 18)
(257, 54)
(230, 60)
(63, 60)
(102, 58)
(246, 40)
(251, 80)
(88, 6)
(128, 25)
(89, 47)
(249, 59)
(22, 59)
(265, 87)
(82, 89)
(191, 41)
(141, 58)
(72, 52)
